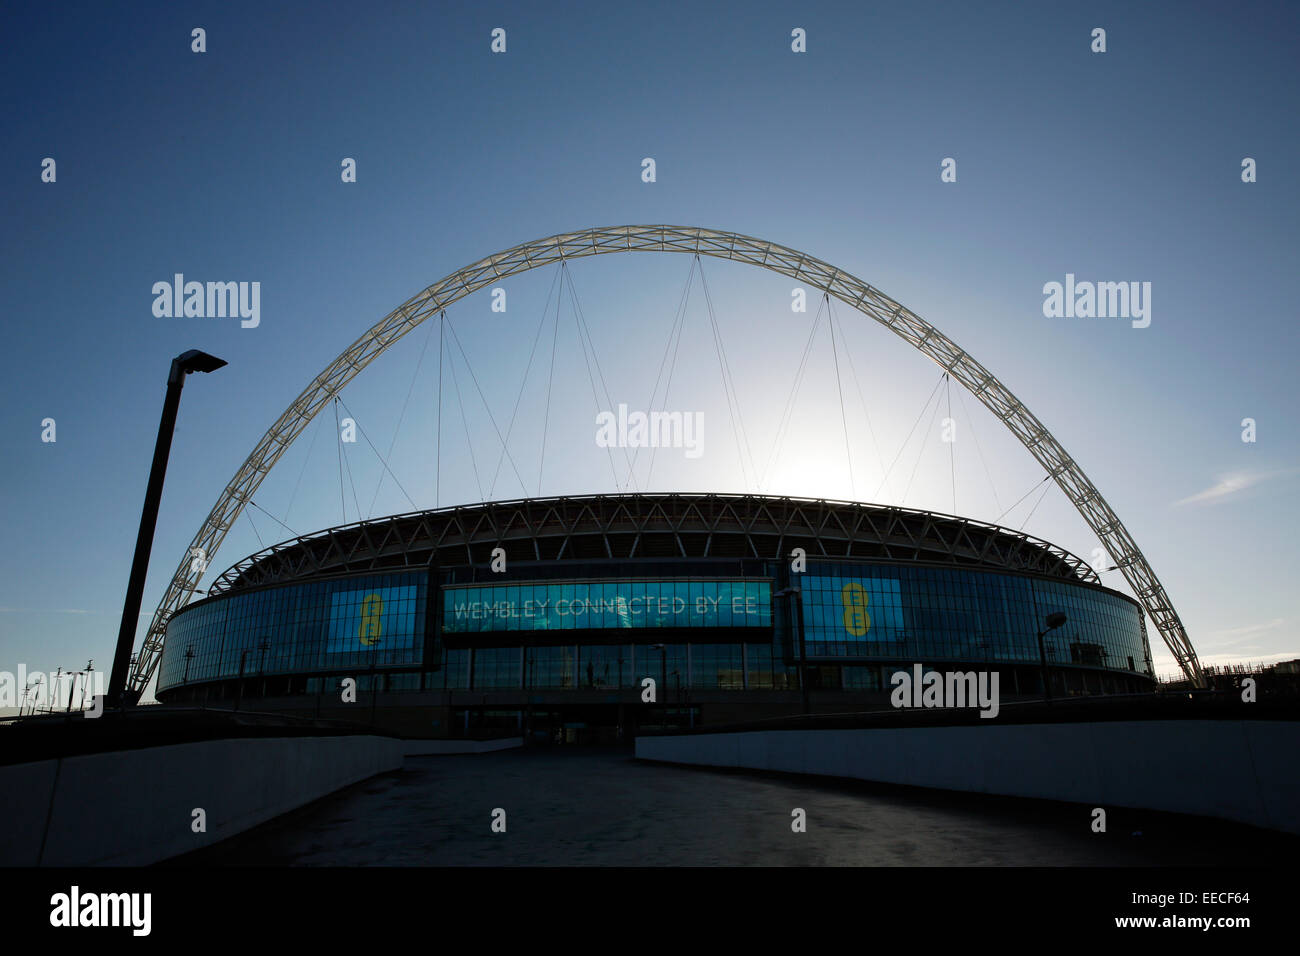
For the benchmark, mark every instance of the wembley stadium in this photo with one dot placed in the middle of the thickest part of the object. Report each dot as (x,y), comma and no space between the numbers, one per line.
(547,615)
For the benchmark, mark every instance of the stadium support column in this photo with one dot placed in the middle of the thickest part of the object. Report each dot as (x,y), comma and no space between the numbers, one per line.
(182,365)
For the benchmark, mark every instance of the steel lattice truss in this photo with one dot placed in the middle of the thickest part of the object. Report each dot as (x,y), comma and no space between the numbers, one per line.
(639,526)
(696,241)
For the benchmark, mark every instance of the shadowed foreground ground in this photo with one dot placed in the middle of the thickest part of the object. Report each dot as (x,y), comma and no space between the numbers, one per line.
(602,807)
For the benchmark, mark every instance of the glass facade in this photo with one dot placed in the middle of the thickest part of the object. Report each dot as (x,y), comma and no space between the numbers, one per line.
(913,613)
(349,624)
(860,621)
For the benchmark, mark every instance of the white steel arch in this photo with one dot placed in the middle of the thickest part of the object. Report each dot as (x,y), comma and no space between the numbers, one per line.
(849,289)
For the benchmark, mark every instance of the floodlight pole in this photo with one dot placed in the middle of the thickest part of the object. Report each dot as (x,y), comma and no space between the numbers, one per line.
(182,365)
(795,595)
(1053,622)
(663,677)
(374,693)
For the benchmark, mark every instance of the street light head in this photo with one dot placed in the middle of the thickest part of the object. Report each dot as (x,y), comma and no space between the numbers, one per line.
(196,361)
(1055,620)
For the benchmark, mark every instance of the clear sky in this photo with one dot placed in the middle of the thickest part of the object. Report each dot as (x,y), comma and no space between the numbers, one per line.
(225,166)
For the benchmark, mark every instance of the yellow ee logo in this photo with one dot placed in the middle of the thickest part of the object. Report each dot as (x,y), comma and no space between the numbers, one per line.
(854,597)
(372,613)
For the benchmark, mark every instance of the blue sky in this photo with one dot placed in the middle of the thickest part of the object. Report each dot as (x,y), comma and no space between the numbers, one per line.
(1122,166)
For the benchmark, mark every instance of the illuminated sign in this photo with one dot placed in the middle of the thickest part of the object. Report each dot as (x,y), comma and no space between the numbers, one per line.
(606,604)
(372,619)
(852,607)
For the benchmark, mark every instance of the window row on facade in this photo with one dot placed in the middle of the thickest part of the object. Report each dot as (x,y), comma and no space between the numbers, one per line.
(848,611)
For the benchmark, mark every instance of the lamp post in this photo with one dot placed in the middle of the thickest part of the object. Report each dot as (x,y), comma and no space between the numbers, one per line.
(32,690)
(663,676)
(1054,621)
(54,691)
(182,365)
(261,664)
(239,687)
(90,669)
(796,594)
(374,691)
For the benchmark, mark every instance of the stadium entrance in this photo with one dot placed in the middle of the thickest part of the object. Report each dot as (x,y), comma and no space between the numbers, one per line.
(606,724)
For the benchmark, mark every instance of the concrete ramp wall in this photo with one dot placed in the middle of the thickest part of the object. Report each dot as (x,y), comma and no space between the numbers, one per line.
(135,807)
(426,748)
(1241,770)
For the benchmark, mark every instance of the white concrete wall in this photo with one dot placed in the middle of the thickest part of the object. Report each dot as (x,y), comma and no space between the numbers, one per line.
(1242,770)
(134,807)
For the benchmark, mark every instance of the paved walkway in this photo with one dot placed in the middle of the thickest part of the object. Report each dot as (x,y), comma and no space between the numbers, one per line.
(602,807)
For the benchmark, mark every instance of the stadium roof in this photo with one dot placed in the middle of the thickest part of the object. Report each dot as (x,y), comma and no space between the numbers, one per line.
(632,526)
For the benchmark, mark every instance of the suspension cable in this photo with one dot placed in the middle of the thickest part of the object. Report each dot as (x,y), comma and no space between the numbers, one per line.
(402,414)
(890,470)
(839,386)
(674,344)
(979,450)
(338,441)
(788,411)
(952,445)
(848,354)
(460,401)
(738,422)
(673,333)
(1046,489)
(347,462)
(587,361)
(920,449)
(320,422)
(514,413)
(252,524)
(381,458)
(274,518)
(1022,498)
(483,398)
(550,380)
(437,449)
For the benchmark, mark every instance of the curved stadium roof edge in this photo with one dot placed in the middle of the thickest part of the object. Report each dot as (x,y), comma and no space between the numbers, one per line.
(639,525)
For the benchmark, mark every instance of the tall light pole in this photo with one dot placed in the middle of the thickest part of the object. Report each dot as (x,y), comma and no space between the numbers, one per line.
(1053,622)
(663,677)
(54,691)
(239,687)
(29,693)
(796,596)
(182,365)
(90,670)
(261,667)
(374,691)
